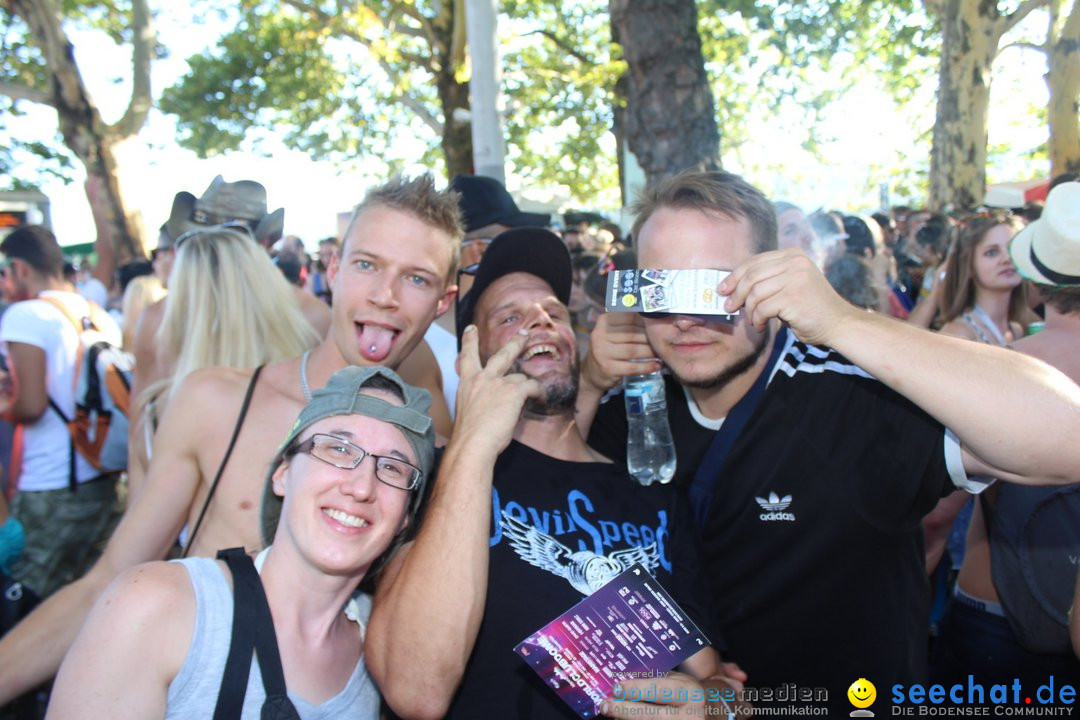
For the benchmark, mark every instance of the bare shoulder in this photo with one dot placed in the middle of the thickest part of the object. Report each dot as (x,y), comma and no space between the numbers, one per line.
(130,648)
(203,405)
(152,606)
(1060,349)
(148,322)
(206,406)
(150,592)
(226,383)
(214,381)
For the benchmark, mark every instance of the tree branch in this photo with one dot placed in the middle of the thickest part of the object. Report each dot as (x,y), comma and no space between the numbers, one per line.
(1023,45)
(425,24)
(414,59)
(1071,31)
(44,21)
(564,46)
(1020,13)
(408,31)
(16,91)
(142,40)
(421,112)
(934,7)
(459,40)
(328,19)
(339,29)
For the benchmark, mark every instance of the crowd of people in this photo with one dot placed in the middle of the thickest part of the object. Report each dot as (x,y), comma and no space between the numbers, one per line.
(904,384)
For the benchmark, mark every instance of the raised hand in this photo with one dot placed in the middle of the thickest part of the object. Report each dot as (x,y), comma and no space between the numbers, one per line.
(490,399)
(617,347)
(787,285)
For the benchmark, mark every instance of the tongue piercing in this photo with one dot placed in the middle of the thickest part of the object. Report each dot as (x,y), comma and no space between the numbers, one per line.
(372,349)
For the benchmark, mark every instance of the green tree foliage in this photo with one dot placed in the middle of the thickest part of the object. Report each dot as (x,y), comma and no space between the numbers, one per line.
(24,77)
(560,74)
(341,80)
(39,65)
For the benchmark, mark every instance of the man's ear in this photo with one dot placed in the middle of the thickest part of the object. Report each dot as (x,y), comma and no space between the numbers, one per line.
(447,300)
(333,268)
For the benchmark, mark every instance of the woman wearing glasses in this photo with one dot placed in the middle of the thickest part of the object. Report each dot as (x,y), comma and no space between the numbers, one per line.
(165,639)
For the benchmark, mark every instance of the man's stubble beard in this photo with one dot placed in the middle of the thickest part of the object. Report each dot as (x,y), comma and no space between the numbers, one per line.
(736,369)
(560,396)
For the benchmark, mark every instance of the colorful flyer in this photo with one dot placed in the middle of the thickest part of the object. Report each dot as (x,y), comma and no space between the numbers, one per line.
(629,628)
(678,292)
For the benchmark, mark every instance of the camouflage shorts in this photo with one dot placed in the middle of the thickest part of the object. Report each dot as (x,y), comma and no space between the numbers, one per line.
(65,532)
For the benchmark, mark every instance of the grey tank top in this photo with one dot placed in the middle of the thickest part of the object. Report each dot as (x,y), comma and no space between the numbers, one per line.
(193,692)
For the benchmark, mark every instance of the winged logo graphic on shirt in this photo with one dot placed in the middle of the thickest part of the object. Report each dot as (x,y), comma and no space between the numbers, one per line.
(585,570)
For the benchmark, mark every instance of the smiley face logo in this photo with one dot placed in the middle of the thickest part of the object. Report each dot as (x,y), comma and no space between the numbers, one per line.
(862,693)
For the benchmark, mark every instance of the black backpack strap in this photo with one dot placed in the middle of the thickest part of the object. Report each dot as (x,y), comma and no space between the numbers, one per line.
(234,680)
(93,382)
(72,484)
(224,460)
(253,628)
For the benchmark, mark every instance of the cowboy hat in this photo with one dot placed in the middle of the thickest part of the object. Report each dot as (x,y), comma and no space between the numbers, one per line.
(224,202)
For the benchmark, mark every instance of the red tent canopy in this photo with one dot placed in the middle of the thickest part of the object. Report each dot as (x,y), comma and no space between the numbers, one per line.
(1015,194)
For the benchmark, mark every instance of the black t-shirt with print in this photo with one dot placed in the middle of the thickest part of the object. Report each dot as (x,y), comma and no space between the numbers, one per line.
(813,539)
(589,521)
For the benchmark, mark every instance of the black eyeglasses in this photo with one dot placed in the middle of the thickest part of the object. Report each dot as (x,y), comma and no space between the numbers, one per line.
(235,226)
(347,456)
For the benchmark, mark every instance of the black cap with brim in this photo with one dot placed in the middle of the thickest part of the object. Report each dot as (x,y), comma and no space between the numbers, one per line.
(484,201)
(530,250)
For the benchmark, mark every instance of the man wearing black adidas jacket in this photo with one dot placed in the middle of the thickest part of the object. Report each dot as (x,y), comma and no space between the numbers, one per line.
(813,439)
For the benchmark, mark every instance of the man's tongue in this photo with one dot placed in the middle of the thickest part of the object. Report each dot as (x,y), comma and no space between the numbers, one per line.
(375,342)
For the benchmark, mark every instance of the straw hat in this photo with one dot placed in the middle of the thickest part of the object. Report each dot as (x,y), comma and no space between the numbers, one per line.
(1048,250)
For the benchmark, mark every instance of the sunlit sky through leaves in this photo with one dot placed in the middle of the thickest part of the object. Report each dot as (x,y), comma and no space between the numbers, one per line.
(865,140)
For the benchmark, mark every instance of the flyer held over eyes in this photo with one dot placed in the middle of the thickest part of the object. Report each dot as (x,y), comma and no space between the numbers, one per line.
(673,292)
(631,627)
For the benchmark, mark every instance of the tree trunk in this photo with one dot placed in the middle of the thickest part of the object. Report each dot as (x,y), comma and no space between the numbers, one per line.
(970,32)
(456,136)
(618,129)
(1063,110)
(670,116)
(448,57)
(120,236)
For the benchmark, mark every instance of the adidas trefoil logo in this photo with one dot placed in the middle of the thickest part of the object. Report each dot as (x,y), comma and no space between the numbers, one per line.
(774,507)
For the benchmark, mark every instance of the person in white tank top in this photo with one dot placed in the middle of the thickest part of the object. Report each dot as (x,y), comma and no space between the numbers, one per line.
(156,644)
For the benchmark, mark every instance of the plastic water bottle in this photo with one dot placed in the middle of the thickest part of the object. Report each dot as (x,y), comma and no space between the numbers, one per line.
(650,451)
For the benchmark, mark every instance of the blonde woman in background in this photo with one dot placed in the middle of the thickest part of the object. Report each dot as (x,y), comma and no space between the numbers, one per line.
(140,293)
(228,306)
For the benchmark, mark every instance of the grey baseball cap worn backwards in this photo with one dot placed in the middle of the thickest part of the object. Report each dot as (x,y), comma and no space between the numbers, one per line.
(344,395)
